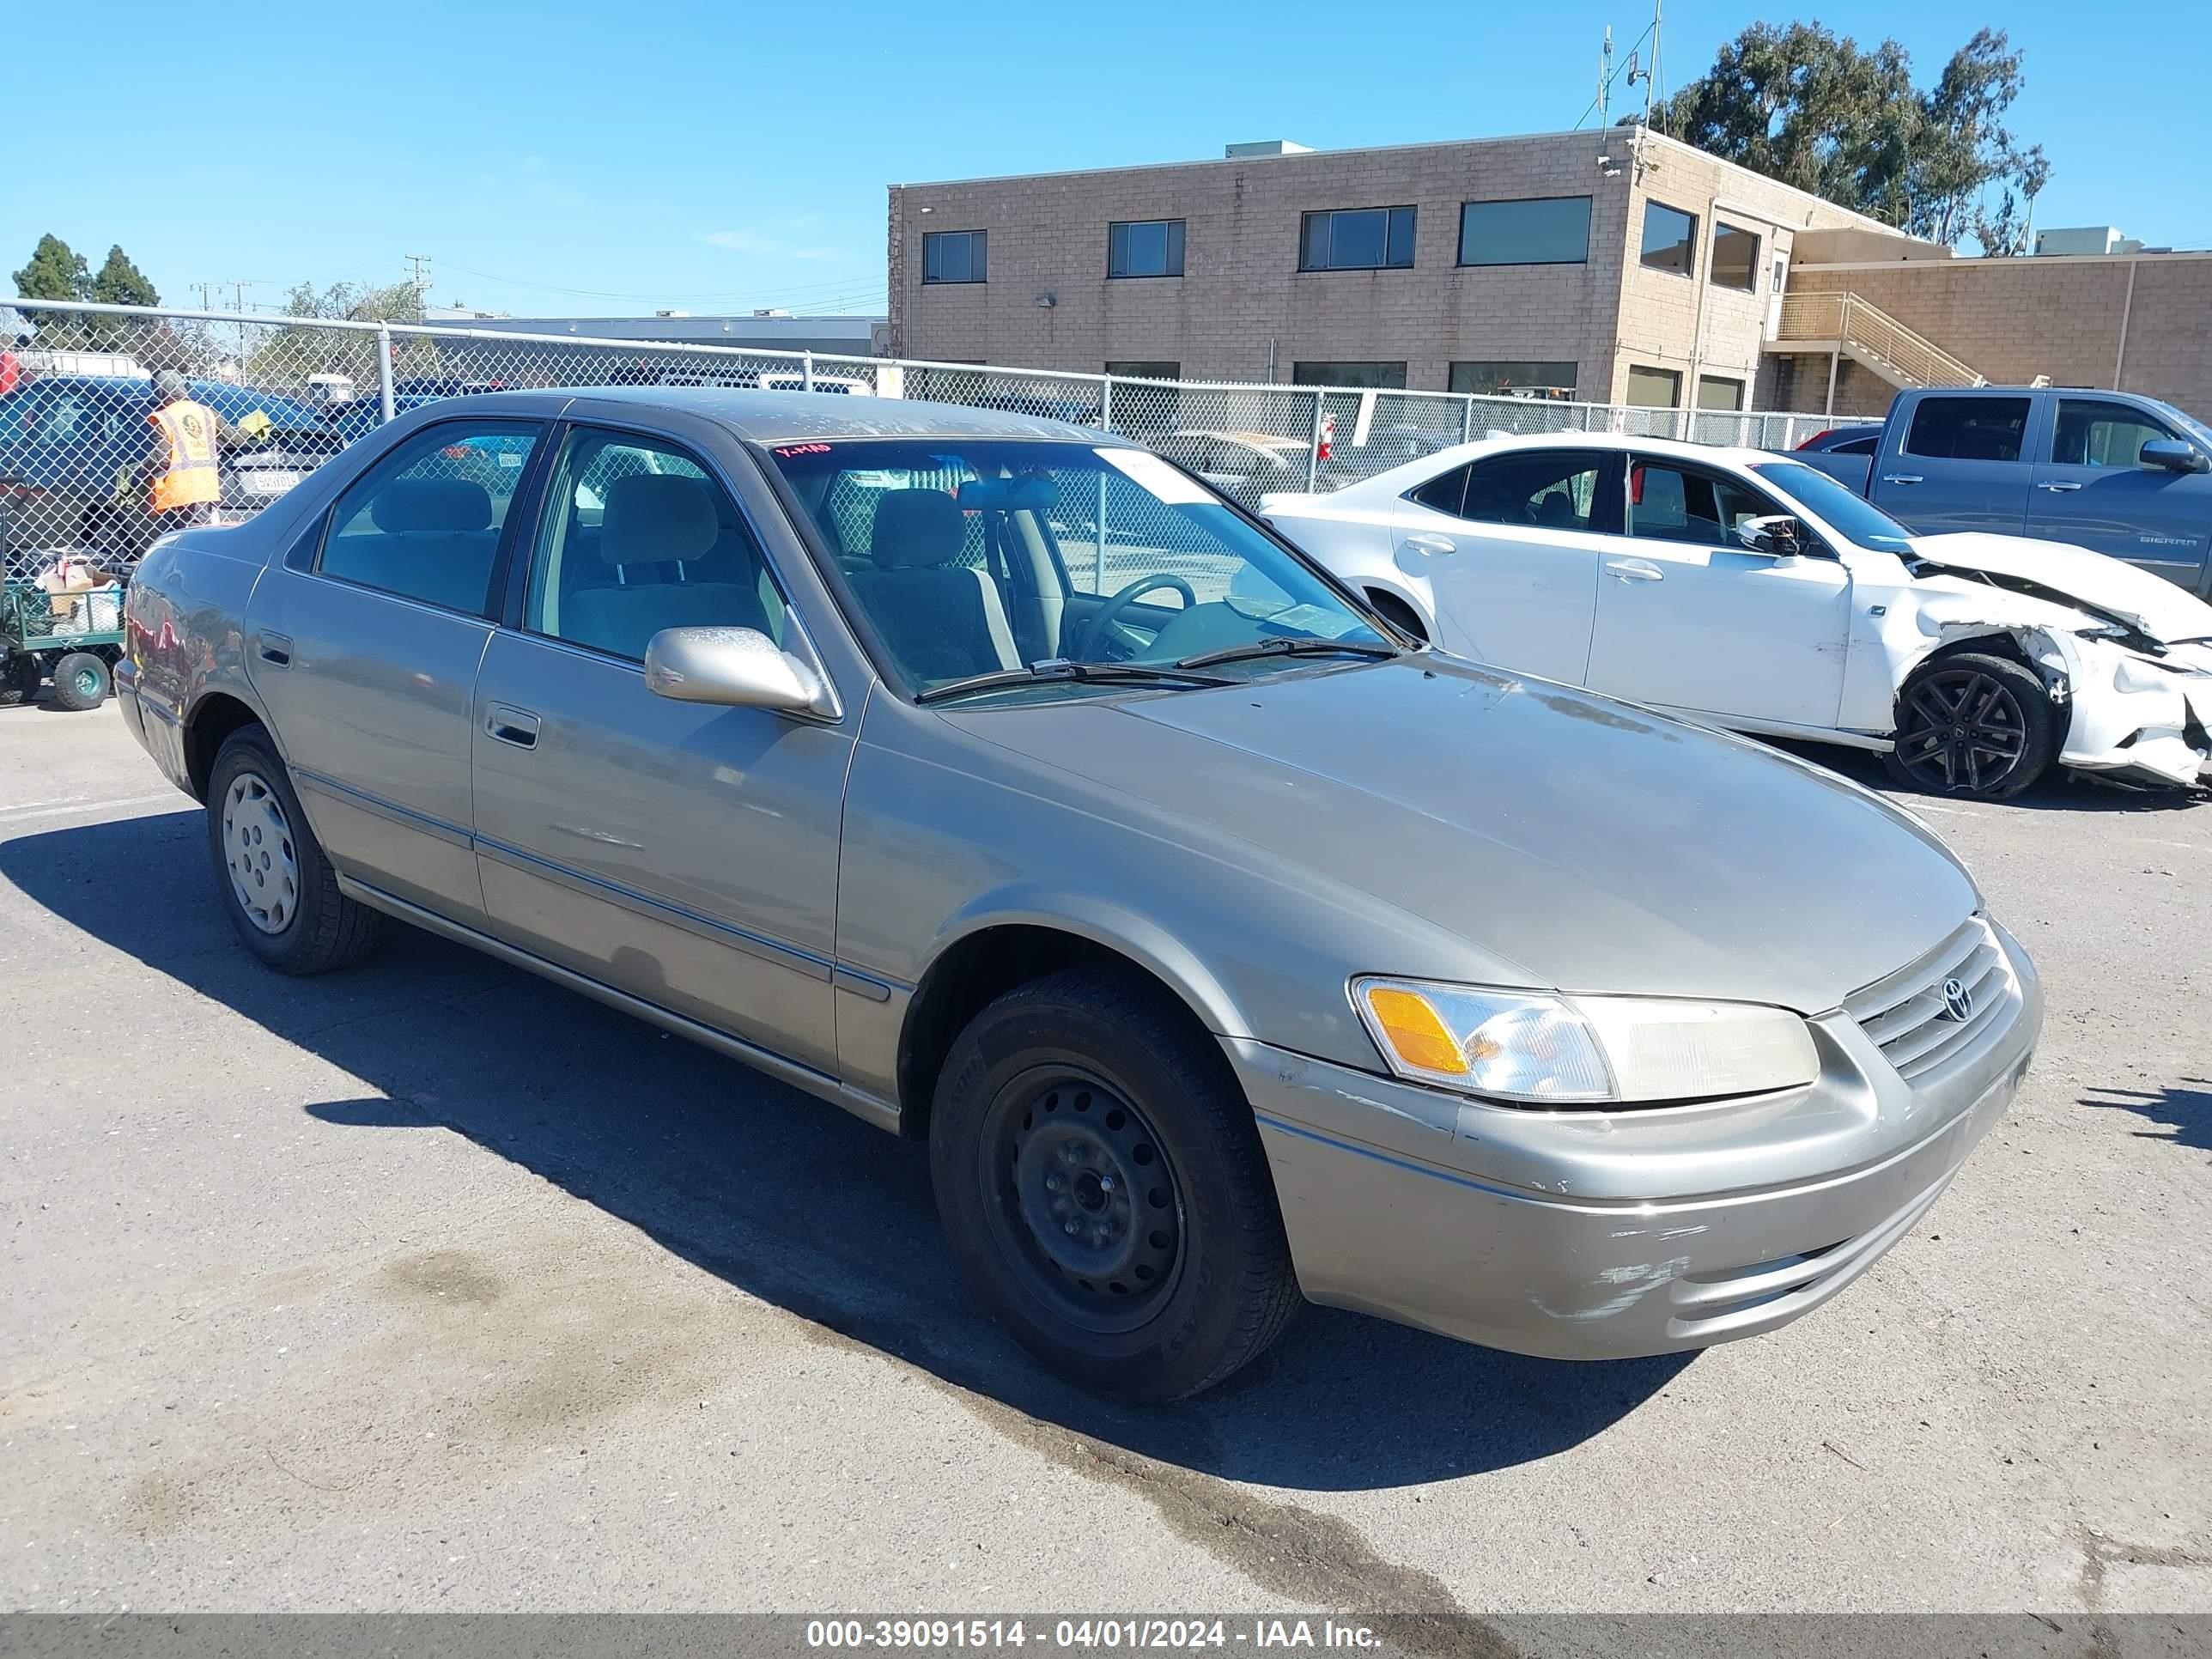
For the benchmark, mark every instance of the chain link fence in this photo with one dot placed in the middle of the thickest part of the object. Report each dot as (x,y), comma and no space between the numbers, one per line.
(76,393)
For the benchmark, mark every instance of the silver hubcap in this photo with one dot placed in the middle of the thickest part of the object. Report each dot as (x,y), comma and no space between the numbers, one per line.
(256,845)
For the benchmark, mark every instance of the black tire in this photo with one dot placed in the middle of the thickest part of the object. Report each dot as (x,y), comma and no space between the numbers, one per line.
(80,681)
(19,680)
(306,926)
(1973,726)
(1181,1273)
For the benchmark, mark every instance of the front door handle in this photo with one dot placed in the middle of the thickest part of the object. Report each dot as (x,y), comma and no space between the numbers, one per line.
(1431,544)
(510,725)
(1634,570)
(275,650)
(1901,478)
(2058,486)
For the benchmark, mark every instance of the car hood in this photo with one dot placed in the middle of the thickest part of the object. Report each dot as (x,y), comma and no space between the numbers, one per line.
(1579,843)
(2076,574)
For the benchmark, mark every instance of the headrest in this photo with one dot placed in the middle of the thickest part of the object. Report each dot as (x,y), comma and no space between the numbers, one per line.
(653,517)
(1556,512)
(916,527)
(431,504)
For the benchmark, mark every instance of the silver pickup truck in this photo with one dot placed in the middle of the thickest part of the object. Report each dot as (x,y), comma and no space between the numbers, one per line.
(2113,471)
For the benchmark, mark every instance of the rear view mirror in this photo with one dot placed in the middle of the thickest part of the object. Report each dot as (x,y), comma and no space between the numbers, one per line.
(736,667)
(2174,456)
(1774,533)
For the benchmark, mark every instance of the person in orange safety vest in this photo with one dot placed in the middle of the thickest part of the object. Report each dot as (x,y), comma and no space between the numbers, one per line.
(183,480)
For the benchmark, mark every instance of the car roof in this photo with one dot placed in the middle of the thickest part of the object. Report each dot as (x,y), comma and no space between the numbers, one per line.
(773,417)
(1398,479)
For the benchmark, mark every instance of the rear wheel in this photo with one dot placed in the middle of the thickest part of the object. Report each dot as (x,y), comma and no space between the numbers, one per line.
(280,892)
(80,681)
(1973,725)
(19,680)
(1102,1182)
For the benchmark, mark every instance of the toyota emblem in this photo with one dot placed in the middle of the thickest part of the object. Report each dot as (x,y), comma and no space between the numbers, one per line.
(1957,1001)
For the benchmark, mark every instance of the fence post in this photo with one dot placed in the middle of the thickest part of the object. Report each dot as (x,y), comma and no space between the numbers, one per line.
(1098,525)
(1313,455)
(806,370)
(384,370)
(1466,422)
(1106,402)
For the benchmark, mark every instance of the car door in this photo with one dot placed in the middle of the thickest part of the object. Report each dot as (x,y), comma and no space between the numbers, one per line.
(1689,618)
(1510,546)
(1962,463)
(2092,489)
(363,644)
(683,853)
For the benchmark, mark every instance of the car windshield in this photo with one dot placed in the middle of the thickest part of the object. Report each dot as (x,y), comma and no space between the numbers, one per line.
(2197,430)
(1840,507)
(970,557)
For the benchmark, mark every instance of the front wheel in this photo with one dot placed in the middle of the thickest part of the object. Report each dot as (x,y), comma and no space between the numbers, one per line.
(1974,726)
(1102,1182)
(80,681)
(277,888)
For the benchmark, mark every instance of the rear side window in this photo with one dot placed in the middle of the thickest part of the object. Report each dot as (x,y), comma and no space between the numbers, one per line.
(1969,428)
(1859,446)
(1547,489)
(1444,494)
(424,522)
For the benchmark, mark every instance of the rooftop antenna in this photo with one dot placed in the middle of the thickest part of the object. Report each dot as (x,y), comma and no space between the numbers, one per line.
(1605,161)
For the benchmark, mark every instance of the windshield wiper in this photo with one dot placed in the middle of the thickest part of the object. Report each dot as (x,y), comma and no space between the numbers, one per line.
(1060,668)
(1285,645)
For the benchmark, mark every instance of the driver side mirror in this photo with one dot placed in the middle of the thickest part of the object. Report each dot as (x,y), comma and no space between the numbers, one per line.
(735,667)
(2174,456)
(1775,533)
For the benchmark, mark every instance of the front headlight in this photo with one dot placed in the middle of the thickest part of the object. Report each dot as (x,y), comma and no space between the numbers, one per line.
(1560,1050)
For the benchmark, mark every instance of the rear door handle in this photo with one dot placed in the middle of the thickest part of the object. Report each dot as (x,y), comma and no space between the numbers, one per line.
(275,650)
(2058,486)
(510,725)
(1634,570)
(1901,478)
(1429,544)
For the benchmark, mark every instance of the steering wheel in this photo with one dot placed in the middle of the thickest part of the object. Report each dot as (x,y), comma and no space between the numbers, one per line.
(1111,612)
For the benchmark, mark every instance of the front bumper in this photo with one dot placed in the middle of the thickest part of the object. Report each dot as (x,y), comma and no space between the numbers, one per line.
(2161,734)
(1594,1236)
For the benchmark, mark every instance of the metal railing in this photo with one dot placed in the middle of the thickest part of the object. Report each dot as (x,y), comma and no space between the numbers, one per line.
(73,437)
(1870,334)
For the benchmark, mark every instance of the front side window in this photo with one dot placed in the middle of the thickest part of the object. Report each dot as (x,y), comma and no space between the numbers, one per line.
(954,256)
(1736,258)
(1144,247)
(636,537)
(967,557)
(2094,433)
(1539,489)
(1359,376)
(1968,429)
(1670,238)
(425,521)
(1671,503)
(1654,388)
(1551,230)
(1515,377)
(1357,238)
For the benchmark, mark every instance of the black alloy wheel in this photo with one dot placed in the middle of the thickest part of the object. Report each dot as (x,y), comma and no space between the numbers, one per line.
(1975,725)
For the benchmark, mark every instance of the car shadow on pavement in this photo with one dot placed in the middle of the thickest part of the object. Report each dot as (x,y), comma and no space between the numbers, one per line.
(787,1199)
(2186,1107)
(2057,791)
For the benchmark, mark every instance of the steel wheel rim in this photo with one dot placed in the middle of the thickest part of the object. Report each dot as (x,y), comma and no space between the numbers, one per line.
(259,854)
(1964,729)
(1082,1199)
(87,682)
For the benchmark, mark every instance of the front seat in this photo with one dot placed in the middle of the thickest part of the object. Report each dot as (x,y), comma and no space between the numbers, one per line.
(941,620)
(653,525)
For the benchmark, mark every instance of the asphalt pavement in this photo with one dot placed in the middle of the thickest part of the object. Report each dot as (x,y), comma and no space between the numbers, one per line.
(430,1286)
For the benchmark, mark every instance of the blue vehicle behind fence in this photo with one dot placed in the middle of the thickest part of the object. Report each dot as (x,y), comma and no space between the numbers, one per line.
(2113,471)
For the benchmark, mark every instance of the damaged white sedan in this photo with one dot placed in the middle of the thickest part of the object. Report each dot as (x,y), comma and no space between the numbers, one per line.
(1748,591)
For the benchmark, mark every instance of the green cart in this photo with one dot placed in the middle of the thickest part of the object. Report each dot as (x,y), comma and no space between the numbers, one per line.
(75,637)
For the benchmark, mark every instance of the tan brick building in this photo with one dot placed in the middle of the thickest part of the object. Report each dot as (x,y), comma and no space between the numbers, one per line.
(1609,264)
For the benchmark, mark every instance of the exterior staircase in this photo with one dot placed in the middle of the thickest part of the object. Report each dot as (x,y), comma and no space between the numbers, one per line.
(1846,325)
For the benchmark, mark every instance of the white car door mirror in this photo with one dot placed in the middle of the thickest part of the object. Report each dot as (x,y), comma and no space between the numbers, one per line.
(1777,534)
(737,667)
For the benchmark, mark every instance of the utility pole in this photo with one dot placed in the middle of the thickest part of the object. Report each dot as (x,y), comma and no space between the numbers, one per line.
(420,281)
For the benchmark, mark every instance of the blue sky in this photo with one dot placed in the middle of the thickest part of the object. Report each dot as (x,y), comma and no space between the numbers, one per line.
(565,159)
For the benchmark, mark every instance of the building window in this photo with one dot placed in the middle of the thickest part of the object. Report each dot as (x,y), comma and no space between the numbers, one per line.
(1735,262)
(1146,369)
(1389,377)
(954,256)
(1361,239)
(1670,238)
(1552,230)
(1654,388)
(1719,391)
(1144,247)
(1504,378)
